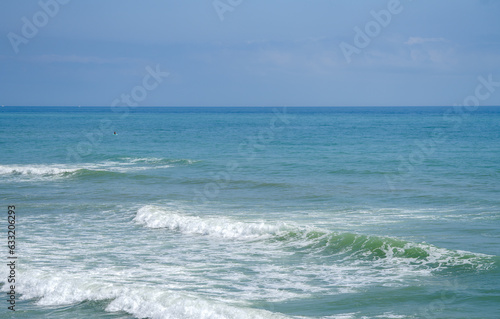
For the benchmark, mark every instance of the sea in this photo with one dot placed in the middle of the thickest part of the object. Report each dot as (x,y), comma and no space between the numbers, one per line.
(250,212)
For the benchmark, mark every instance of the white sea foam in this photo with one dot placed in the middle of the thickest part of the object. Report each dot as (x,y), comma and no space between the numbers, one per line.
(57,171)
(64,288)
(359,249)
(169,305)
(157,217)
(155,160)
(350,315)
(35,170)
(196,276)
(45,172)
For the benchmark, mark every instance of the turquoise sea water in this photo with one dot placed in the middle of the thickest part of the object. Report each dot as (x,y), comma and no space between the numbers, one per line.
(252,212)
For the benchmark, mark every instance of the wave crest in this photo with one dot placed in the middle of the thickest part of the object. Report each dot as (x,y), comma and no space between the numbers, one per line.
(376,250)
(29,172)
(34,170)
(64,288)
(156,217)
(353,247)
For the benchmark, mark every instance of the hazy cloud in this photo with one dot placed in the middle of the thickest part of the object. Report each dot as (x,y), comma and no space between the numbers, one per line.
(419,40)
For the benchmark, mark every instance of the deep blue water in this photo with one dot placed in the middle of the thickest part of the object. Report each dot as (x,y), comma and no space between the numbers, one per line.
(369,212)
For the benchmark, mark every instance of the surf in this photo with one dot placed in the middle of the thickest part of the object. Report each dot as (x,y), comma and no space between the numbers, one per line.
(157,217)
(50,289)
(312,241)
(54,171)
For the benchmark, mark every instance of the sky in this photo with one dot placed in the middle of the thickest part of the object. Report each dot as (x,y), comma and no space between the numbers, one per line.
(248,52)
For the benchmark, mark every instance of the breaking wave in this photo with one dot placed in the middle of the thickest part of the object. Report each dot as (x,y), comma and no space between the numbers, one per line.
(34,172)
(313,241)
(156,217)
(65,288)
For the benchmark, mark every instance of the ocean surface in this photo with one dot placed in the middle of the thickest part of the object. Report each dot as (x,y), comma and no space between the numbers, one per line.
(367,212)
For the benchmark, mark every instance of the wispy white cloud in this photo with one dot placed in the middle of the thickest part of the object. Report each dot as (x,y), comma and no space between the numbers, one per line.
(311,61)
(420,40)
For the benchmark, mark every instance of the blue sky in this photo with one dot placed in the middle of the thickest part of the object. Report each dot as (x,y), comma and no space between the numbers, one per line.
(248,52)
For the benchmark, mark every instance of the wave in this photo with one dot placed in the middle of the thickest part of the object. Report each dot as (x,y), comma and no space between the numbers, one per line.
(377,250)
(65,288)
(313,241)
(34,170)
(56,171)
(345,171)
(156,160)
(257,184)
(157,217)
(161,305)
(51,172)
(91,173)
